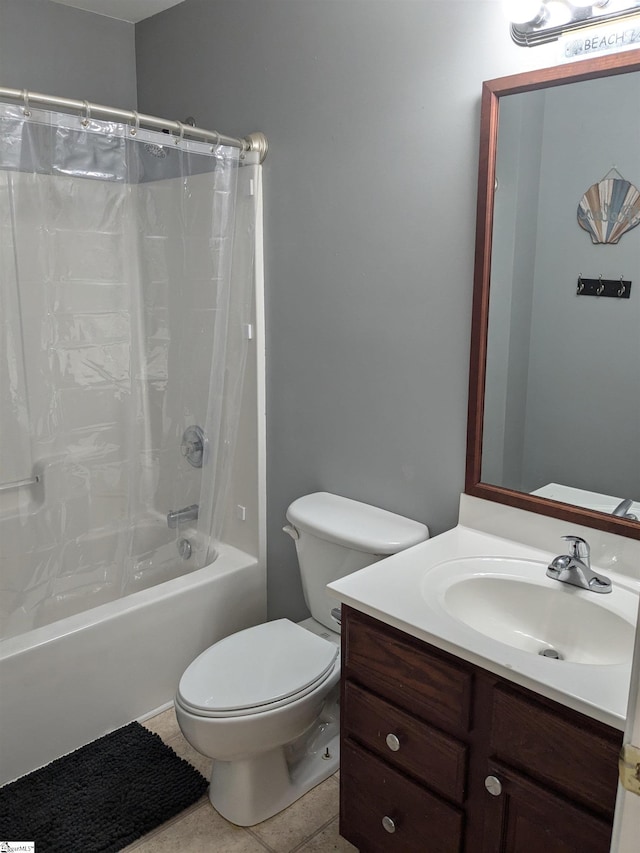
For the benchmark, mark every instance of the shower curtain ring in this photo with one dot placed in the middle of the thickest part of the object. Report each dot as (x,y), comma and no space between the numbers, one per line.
(181,137)
(87,114)
(25,97)
(134,130)
(217,142)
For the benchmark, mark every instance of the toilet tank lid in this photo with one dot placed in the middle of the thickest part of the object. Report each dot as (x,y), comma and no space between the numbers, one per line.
(354,524)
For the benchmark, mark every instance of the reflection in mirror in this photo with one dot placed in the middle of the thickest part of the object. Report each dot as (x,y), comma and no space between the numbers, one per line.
(625,508)
(562,396)
(556,416)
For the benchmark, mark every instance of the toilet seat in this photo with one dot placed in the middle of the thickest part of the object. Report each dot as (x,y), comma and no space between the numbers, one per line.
(256,670)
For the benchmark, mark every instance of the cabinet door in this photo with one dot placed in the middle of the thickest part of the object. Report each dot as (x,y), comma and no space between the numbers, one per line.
(526,818)
(557,748)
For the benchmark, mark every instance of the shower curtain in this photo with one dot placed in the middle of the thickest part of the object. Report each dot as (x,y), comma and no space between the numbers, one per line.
(126,265)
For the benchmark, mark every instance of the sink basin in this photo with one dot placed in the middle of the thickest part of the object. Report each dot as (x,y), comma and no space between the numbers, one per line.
(511,601)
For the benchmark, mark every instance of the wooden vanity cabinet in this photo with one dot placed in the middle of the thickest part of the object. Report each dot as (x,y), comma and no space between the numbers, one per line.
(425,735)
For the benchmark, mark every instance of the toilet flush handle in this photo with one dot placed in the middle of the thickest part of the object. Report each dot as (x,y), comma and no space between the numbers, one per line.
(291,530)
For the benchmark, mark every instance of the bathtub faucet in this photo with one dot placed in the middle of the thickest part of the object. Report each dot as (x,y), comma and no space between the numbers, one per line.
(178,516)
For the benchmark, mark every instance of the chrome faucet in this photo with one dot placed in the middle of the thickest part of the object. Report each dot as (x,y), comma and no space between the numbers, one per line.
(622,510)
(178,516)
(575,568)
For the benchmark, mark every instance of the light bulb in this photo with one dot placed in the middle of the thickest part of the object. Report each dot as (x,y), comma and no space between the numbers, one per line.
(558,13)
(619,5)
(522,11)
(609,7)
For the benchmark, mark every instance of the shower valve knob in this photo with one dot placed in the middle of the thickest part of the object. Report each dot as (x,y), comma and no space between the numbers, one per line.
(194,446)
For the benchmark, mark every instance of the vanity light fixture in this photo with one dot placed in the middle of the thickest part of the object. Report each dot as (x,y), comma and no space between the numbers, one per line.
(536,22)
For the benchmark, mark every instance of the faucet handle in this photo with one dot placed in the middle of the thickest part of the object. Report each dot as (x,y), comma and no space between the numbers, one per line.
(579,547)
(622,510)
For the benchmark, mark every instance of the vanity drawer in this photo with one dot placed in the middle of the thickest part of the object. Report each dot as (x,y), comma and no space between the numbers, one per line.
(403,670)
(420,820)
(575,755)
(426,753)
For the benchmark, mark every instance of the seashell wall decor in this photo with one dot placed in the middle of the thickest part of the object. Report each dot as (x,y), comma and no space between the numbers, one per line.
(609,209)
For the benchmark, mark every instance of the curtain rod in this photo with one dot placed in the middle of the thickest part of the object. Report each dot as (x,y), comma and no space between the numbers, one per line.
(252,142)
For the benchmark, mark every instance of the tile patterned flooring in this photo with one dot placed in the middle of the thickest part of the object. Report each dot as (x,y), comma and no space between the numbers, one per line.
(310,825)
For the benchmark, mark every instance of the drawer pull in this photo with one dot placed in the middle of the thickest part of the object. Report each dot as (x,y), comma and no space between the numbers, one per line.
(493,785)
(393,742)
(388,824)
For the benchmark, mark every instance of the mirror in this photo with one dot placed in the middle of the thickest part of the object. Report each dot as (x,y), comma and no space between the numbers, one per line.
(554,395)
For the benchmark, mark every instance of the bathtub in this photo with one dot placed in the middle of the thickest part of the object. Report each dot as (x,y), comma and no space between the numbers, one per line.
(67,683)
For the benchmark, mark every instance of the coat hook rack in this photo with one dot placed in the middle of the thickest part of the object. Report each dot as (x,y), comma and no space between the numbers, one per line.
(617,288)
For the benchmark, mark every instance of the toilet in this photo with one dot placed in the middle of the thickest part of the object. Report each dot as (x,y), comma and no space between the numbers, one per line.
(263,702)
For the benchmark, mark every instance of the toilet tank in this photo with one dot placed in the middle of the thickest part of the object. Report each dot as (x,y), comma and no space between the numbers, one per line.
(335,536)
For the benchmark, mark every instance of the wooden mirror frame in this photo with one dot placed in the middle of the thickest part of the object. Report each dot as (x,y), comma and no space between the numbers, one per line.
(492,91)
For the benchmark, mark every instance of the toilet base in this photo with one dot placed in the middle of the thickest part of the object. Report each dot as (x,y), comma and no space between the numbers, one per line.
(248,791)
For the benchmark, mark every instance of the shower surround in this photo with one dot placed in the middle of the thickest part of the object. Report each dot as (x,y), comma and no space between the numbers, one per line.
(131,309)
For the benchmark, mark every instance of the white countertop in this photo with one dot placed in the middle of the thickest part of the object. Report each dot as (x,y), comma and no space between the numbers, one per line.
(395,591)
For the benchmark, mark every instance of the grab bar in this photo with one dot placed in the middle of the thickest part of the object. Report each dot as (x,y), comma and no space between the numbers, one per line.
(30,481)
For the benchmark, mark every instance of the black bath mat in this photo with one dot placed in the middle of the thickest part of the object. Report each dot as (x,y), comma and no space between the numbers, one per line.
(101,797)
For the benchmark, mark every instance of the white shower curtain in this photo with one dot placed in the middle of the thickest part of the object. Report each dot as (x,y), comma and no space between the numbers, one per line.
(126,263)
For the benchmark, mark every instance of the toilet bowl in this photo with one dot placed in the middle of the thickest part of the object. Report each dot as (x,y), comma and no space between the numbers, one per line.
(273,727)
(263,703)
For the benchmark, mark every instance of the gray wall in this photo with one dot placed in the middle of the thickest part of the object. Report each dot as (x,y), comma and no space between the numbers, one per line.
(372,114)
(59,50)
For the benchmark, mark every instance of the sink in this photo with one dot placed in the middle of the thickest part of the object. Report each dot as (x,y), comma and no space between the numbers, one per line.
(511,601)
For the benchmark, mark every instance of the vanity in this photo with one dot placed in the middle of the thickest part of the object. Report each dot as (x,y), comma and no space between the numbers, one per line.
(459,732)
(484,701)
(441,755)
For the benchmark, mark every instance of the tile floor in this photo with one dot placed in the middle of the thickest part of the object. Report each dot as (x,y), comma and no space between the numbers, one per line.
(310,825)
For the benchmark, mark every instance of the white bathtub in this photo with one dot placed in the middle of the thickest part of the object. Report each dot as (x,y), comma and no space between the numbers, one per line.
(70,682)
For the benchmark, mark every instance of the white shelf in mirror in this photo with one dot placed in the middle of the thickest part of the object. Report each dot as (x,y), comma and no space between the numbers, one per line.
(584,498)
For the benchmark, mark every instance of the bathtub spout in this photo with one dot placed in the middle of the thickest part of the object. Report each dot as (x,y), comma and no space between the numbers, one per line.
(178,516)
